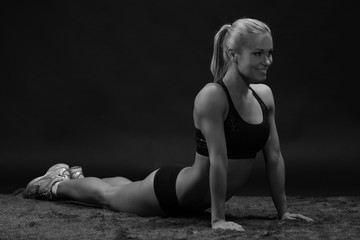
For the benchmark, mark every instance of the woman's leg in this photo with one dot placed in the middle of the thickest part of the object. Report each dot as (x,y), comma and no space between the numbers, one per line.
(134,197)
(87,190)
(116,181)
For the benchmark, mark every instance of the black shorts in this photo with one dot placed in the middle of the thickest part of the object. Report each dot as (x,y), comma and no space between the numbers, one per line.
(165,190)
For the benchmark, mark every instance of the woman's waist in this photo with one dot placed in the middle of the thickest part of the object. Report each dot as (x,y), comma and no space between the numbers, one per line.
(203,161)
(238,170)
(197,179)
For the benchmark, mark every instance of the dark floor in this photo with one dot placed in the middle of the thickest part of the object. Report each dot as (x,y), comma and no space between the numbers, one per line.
(334,218)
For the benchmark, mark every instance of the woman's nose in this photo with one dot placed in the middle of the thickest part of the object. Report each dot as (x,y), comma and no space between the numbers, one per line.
(267,60)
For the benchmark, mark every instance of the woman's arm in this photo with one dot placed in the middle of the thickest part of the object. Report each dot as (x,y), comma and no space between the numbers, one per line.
(209,111)
(275,166)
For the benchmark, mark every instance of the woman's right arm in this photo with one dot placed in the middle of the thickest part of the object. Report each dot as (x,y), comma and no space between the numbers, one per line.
(210,108)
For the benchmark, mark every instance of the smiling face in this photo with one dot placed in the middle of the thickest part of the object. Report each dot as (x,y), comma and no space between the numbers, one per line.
(255,57)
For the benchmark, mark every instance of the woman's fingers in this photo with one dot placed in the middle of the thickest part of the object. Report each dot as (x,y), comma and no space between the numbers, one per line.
(291,216)
(228,226)
(237,227)
(300,216)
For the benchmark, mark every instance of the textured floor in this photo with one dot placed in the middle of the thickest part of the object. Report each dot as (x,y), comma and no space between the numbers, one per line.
(335,218)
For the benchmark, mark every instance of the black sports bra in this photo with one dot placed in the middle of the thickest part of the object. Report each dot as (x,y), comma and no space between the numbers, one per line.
(243,139)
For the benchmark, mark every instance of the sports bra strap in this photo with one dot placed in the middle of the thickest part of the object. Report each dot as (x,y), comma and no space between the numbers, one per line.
(258,99)
(222,84)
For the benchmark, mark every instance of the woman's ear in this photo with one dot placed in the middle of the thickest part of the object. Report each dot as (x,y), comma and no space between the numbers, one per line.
(232,55)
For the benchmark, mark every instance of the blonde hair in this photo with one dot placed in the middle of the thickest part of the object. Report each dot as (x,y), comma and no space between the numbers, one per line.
(233,36)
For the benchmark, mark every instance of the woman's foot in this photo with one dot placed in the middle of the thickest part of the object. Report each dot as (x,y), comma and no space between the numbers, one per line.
(40,187)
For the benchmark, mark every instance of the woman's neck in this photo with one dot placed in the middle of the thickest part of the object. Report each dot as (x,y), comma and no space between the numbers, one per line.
(234,80)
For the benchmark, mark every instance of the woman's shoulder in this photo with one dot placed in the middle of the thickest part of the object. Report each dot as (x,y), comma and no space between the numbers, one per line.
(210,97)
(265,93)
(211,92)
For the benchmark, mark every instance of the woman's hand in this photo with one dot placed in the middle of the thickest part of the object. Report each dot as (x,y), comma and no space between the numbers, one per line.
(293,216)
(224,225)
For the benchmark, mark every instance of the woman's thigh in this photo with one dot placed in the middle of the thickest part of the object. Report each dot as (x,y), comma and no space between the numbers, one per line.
(116,181)
(135,197)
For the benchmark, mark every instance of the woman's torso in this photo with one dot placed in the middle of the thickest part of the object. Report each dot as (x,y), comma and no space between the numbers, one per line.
(193,182)
(246,127)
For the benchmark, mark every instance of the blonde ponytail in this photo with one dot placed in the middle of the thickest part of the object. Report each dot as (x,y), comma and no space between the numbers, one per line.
(219,59)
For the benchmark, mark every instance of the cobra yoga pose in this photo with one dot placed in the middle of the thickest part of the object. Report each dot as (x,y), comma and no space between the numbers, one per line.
(234,118)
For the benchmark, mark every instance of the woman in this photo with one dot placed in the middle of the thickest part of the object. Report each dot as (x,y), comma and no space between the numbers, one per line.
(234,118)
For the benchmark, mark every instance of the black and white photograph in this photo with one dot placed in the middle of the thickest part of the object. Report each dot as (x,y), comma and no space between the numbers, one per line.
(179,120)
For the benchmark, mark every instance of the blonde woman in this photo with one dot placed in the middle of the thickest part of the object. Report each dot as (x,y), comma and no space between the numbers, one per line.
(234,117)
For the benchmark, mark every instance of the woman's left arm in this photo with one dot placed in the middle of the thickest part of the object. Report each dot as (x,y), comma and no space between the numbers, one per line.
(275,166)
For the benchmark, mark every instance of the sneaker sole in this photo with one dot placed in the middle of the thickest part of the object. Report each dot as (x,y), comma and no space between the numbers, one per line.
(38,178)
(31,188)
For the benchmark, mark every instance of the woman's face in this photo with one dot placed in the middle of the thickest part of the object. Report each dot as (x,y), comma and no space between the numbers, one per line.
(255,58)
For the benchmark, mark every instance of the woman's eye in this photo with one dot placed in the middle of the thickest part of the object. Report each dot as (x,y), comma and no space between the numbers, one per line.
(257,53)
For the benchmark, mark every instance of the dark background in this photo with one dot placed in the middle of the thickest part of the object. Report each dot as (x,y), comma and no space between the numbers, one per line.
(110,85)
